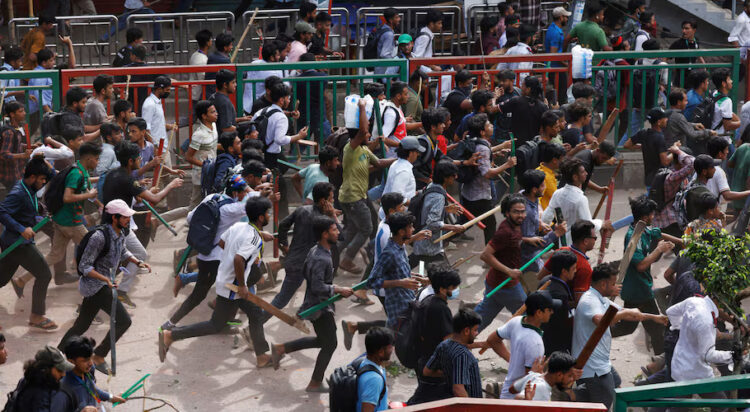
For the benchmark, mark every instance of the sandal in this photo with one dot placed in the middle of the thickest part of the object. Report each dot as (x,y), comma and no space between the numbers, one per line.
(162,347)
(47,324)
(275,358)
(17,289)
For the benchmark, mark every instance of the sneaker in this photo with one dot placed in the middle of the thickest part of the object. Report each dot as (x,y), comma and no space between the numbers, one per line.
(125,299)
(168,325)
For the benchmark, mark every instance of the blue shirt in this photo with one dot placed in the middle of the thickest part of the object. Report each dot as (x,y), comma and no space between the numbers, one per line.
(554,38)
(9,83)
(393,264)
(530,228)
(369,386)
(592,303)
(694,99)
(84,389)
(17,212)
(463,126)
(46,93)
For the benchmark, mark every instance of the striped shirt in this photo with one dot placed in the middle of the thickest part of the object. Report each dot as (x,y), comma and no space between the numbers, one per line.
(243,240)
(459,367)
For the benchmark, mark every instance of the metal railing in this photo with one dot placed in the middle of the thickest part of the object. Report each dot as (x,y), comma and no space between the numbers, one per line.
(87,33)
(178,32)
(36,91)
(678,394)
(413,19)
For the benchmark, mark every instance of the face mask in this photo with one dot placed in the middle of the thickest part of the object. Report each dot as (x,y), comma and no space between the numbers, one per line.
(454,294)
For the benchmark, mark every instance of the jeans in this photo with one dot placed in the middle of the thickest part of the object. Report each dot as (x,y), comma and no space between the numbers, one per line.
(634,126)
(357,229)
(477,207)
(598,388)
(131,270)
(28,257)
(101,300)
(224,312)
(325,339)
(654,330)
(292,281)
(122,23)
(186,278)
(512,298)
(206,277)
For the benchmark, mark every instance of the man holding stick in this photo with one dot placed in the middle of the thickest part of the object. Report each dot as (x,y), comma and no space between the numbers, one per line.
(599,377)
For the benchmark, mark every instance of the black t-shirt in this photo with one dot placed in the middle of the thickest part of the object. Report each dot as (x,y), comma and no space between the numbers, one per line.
(70,119)
(318,44)
(572,136)
(652,144)
(525,117)
(122,57)
(227,114)
(260,103)
(120,184)
(684,44)
(558,332)
(310,89)
(587,157)
(435,324)
(453,104)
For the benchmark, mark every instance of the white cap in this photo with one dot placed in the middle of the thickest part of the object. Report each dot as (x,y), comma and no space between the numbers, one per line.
(119,207)
(560,11)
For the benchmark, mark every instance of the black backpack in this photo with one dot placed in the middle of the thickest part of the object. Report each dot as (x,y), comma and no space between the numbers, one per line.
(416,205)
(527,157)
(649,76)
(370,51)
(342,395)
(684,215)
(261,125)
(81,247)
(463,151)
(14,397)
(51,124)
(204,223)
(53,196)
(209,174)
(408,333)
(338,140)
(704,111)
(656,190)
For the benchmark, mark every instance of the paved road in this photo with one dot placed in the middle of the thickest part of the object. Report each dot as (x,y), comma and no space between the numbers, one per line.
(211,374)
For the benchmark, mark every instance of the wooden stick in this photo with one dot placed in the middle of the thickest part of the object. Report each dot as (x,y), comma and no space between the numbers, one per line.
(307,143)
(596,336)
(465,212)
(286,318)
(522,309)
(127,88)
(470,223)
(611,180)
(635,239)
(31,8)
(244,34)
(28,136)
(607,213)
(463,260)
(600,204)
(608,125)
(2,100)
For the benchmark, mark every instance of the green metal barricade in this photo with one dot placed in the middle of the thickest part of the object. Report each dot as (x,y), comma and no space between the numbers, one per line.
(37,91)
(678,394)
(625,78)
(302,87)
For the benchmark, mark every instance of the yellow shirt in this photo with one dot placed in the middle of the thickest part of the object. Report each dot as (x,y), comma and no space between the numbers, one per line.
(32,42)
(550,183)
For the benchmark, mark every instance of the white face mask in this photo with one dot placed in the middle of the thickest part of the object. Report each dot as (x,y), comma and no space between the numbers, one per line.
(454,294)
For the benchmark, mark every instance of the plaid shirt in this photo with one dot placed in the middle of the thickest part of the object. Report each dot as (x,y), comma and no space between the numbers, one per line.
(529,11)
(672,185)
(392,264)
(11,170)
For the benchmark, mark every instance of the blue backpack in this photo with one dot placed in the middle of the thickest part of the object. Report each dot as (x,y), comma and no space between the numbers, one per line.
(204,224)
(214,173)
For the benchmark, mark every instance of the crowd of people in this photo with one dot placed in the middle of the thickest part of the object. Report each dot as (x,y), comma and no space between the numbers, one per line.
(376,203)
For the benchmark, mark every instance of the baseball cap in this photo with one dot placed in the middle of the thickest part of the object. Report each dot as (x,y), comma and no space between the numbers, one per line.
(119,207)
(560,11)
(404,38)
(162,81)
(656,114)
(52,356)
(411,143)
(541,300)
(303,27)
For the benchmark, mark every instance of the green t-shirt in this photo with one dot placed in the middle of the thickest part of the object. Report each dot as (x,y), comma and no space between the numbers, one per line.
(356,163)
(741,160)
(312,175)
(71,214)
(590,35)
(637,286)
(413,106)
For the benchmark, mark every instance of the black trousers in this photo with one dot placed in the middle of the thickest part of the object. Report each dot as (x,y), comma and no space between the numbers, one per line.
(207,270)
(223,313)
(477,207)
(654,330)
(325,339)
(28,257)
(101,300)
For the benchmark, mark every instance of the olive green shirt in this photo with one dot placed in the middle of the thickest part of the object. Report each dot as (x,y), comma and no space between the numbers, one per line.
(71,214)
(356,164)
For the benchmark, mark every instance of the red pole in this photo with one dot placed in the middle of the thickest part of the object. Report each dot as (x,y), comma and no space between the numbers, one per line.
(28,136)
(465,212)
(328,32)
(155,179)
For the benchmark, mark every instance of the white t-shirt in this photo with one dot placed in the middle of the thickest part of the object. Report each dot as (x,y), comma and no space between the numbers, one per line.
(718,183)
(722,110)
(198,58)
(526,346)
(401,180)
(240,239)
(543,391)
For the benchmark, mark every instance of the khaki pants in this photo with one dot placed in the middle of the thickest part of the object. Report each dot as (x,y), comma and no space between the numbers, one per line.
(529,281)
(64,234)
(195,196)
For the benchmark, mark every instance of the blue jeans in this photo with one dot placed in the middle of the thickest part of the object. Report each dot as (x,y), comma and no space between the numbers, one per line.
(292,282)
(512,298)
(186,278)
(122,23)
(633,127)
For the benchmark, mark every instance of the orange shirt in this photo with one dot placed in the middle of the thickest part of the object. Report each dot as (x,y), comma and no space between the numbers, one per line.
(32,43)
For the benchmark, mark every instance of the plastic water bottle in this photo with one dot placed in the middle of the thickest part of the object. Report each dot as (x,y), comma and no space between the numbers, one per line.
(351,110)
(582,60)
(577,16)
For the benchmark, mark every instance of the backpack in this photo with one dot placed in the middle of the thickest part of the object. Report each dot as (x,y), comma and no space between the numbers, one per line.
(204,223)
(416,205)
(370,51)
(656,190)
(51,124)
(649,100)
(704,111)
(261,125)
(417,33)
(527,156)
(53,196)
(463,151)
(14,397)
(343,396)
(338,139)
(681,206)
(209,177)
(81,247)
(608,79)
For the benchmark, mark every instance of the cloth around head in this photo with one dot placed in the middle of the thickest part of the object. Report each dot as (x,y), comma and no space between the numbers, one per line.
(119,207)
(404,38)
(411,143)
(560,11)
(304,27)
(54,357)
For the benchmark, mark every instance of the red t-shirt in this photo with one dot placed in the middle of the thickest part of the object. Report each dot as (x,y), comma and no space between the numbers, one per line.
(442,144)
(507,244)
(582,280)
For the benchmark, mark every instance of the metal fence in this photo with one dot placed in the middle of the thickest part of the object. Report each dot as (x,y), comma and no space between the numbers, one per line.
(679,394)
(8,77)
(178,32)
(87,33)
(413,19)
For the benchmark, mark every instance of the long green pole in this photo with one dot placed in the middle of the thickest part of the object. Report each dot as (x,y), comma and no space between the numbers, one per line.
(21,238)
(334,298)
(526,265)
(184,257)
(158,216)
(289,165)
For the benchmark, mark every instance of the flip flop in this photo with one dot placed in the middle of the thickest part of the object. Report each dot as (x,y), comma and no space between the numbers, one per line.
(103,368)
(275,358)
(17,289)
(347,335)
(46,325)
(162,347)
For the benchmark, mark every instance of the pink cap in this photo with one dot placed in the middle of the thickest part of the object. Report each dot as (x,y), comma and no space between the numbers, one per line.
(119,207)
